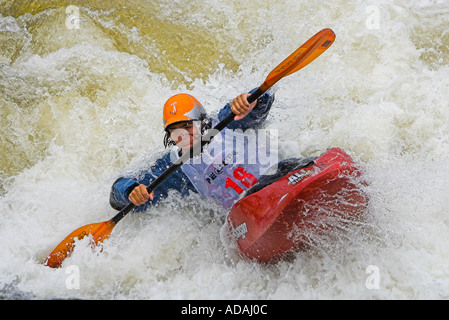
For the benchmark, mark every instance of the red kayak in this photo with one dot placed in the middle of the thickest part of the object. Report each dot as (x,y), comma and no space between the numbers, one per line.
(279,217)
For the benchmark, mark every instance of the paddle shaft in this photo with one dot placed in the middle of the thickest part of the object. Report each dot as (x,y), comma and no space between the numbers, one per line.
(186,156)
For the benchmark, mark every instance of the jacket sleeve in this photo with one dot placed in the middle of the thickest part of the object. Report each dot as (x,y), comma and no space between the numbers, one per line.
(123,186)
(255,118)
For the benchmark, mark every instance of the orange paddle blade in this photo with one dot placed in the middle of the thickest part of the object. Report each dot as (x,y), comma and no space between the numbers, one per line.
(305,54)
(99,231)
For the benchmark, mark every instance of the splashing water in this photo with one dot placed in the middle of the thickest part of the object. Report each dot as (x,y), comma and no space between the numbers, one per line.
(82,84)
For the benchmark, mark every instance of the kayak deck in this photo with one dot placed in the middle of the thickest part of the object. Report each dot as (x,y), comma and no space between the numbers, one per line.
(280,217)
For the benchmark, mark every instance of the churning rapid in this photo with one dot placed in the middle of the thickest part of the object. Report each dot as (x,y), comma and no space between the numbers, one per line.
(82,85)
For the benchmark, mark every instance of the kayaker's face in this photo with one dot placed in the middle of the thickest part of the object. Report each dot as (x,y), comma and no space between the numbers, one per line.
(184,134)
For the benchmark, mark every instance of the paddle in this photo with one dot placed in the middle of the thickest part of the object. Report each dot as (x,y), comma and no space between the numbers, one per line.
(305,54)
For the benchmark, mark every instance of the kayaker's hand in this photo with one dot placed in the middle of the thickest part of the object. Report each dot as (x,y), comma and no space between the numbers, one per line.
(140,195)
(241,107)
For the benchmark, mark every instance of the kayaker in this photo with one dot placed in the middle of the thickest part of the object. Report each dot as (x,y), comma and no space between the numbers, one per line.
(223,171)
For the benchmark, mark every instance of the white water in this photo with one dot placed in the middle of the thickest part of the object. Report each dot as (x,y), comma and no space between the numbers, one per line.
(79,106)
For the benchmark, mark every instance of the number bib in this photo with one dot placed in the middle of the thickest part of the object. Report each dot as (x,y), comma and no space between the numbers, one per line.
(226,170)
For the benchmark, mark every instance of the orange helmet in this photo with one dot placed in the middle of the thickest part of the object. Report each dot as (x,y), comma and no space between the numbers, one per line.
(182,107)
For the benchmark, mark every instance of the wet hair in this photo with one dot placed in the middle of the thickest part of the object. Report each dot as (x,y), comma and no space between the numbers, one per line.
(206,124)
(168,141)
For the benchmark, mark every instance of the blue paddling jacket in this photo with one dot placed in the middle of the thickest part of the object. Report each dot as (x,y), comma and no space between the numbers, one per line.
(200,175)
